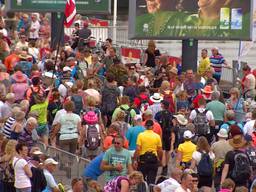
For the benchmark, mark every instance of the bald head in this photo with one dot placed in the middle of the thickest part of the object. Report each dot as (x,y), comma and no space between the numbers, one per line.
(176,174)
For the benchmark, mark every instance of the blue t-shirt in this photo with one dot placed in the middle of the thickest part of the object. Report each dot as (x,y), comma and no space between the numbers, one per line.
(92,170)
(226,125)
(132,134)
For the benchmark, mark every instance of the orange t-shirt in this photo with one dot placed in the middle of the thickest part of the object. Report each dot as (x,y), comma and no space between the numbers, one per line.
(156,128)
(107,143)
(10,61)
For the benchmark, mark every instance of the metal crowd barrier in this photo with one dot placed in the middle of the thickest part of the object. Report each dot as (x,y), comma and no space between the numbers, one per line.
(70,165)
(102,33)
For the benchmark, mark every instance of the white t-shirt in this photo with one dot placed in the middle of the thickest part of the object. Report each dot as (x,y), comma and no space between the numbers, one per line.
(180,189)
(169,185)
(197,156)
(58,116)
(21,179)
(209,114)
(248,127)
(251,79)
(21,45)
(34,52)
(34,25)
(51,183)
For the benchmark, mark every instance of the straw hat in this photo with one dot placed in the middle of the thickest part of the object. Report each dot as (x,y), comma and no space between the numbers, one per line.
(181,119)
(222,133)
(174,70)
(237,141)
(207,89)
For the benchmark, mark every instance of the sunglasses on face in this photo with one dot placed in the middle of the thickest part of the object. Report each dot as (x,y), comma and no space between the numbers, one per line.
(195,180)
(117,143)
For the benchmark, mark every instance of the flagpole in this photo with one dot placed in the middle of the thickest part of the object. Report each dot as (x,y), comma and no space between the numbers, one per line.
(58,45)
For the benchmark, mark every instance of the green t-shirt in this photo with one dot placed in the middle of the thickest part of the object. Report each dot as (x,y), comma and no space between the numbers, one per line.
(41,108)
(126,107)
(217,108)
(113,157)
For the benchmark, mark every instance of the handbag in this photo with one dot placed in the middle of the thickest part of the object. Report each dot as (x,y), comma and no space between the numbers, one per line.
(41,129)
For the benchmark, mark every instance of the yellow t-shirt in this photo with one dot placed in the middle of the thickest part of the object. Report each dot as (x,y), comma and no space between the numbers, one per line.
(149,141)
(204,64)
(186,149)
(41,108)
(88,60)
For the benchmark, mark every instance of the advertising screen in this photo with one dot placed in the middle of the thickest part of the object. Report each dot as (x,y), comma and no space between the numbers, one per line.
(82,6)
(199,19)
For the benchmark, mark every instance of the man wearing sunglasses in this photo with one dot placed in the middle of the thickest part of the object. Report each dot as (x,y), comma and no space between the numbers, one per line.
(117,160)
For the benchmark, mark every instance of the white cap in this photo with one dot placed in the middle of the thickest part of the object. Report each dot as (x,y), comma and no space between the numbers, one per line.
(188,134)
(37,152)
(65,69)
(223,133)
(138,118)
(50,161)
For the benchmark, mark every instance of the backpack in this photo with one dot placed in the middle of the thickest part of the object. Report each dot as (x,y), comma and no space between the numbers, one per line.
(201,123)
(241,170)
(32,98)
(78,101)
(251,153)
(115,184)
(165,121)
(7,172)
(92,136)
(128,117)
(205,165)
(109,99)
(180,133)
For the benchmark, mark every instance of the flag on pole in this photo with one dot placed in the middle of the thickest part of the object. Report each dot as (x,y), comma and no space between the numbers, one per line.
(130,55)
(70,12)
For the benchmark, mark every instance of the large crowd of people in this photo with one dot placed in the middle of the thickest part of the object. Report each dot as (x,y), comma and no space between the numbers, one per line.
(145,127)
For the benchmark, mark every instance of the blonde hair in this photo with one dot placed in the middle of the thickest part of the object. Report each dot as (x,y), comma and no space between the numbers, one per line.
(228,184)
(10,147)
(120,116)
(235,90)
(90,101)
(19,116)
(182,95)
(165,85)
(136,175)
(151,46)
(24,104)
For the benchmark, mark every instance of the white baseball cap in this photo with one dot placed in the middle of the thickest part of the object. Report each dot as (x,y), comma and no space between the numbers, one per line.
(65,69)
(50,161)
(188,134)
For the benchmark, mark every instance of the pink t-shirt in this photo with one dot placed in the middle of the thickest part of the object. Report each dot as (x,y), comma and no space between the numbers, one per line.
(19,90)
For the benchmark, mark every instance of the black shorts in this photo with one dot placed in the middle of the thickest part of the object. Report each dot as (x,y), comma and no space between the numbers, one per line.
(205,181)
(166,142)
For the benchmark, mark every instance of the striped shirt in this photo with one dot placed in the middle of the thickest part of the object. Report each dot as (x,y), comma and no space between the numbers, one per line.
(7,129)
(217,62)
(26,137)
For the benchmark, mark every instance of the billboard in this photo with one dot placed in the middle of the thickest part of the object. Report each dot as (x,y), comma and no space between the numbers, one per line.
(198,19)
(82,6)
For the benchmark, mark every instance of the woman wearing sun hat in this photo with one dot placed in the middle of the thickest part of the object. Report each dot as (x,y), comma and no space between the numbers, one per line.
(20,86)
